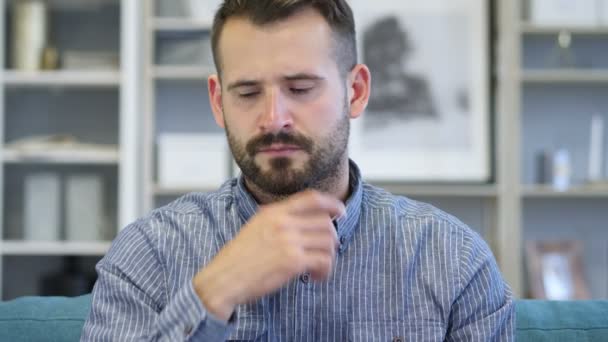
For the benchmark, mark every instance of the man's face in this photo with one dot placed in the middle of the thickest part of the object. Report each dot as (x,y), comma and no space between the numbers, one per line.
(284,103)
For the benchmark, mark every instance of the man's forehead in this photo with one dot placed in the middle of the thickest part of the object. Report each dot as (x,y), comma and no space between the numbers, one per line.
(297,43)
(306,18)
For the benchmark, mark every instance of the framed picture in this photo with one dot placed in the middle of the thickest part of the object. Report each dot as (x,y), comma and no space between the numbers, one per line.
(555,270)
(428,115)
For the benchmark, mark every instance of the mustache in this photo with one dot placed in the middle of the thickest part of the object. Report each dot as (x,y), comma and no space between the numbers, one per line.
(266,140)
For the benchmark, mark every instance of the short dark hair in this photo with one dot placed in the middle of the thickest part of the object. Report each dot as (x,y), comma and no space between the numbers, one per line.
(337,13)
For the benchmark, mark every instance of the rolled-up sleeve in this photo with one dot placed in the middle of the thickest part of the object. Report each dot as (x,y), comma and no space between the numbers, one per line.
(130,301)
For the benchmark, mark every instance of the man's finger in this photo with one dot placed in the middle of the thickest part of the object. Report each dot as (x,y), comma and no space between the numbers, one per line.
(310,202)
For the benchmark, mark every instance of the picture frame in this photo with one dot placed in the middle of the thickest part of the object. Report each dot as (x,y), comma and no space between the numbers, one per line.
(556,271)
(428,118)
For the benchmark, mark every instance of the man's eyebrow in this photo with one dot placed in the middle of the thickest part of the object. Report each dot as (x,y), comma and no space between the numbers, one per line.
(303,76)
(243,83)
(294,77)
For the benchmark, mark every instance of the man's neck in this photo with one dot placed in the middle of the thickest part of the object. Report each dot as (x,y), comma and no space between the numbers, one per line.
(337,186)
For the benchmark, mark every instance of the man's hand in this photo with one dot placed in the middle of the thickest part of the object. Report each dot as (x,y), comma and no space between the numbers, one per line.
(281,241)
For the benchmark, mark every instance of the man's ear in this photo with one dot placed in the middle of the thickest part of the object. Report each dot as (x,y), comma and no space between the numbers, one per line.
(359,87)
(215,98)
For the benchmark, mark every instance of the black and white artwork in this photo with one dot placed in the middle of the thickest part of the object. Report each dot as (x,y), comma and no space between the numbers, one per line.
(399,93)
(427,118)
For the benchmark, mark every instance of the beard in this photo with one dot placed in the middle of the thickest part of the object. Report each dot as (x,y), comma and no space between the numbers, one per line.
(282,179)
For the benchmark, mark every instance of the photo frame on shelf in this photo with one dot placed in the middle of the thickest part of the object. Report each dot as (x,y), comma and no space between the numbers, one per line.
(428,115)
(555,270)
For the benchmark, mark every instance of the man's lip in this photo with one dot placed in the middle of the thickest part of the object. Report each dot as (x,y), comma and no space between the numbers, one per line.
(280,148)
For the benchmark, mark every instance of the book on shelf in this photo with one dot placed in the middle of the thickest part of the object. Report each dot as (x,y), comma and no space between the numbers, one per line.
(30,30)
(42,206)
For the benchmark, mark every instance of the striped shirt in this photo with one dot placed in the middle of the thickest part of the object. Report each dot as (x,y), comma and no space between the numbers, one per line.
(405,271)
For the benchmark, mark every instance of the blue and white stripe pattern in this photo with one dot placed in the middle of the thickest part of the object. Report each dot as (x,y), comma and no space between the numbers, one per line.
(405,271)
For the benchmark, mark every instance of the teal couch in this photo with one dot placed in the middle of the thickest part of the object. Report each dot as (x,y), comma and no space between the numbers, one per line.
(51,319)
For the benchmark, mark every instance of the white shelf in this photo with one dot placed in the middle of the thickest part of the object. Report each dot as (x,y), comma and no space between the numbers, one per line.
(181,24)
(93,157)
(183,72)
(529,28)
(78,5)
(445,190)
(544,191)
(79,248)
(62,78)
(178,191)
(565,76)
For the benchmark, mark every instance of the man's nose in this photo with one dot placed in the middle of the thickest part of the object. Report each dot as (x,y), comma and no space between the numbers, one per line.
(276,116)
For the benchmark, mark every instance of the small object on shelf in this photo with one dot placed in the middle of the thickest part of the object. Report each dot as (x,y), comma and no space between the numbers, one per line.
(564,12)
(596,146)
(30,26)
(42,207)
(184,49)
(561,54)
(561,170)
(192,160)
(555,270)
(88,60)
(84,207)
(50,58)
(544,168)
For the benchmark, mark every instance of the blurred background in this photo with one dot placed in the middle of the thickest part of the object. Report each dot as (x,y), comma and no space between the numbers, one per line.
(494,111)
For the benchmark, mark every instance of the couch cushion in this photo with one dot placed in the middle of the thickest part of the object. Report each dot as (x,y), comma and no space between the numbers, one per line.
(562,321)
(43,318)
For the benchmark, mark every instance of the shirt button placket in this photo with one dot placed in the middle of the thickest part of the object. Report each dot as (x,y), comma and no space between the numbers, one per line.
(187,330)
(342,245)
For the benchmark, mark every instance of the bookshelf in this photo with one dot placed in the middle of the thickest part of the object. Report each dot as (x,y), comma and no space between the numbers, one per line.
(96,106)
(194,73)
(565,76)
(176,92)
(528,28)
(14,79)
(552,103)
(180,24)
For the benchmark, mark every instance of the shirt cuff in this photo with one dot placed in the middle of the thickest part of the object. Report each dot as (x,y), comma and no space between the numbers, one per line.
(194,319)
(210,328)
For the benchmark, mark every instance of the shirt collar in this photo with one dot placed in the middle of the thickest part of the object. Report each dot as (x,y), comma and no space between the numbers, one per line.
(247,206)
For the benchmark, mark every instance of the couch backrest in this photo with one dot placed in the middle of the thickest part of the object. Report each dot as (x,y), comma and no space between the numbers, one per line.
(566,321)
(49,319)
(52,319)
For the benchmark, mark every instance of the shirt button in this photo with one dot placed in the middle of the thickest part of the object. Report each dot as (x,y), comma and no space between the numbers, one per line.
(342,240)
(188,330)
(305,278)
(397,339)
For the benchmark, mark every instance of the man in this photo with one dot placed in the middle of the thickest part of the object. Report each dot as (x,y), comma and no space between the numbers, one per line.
(298,248)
